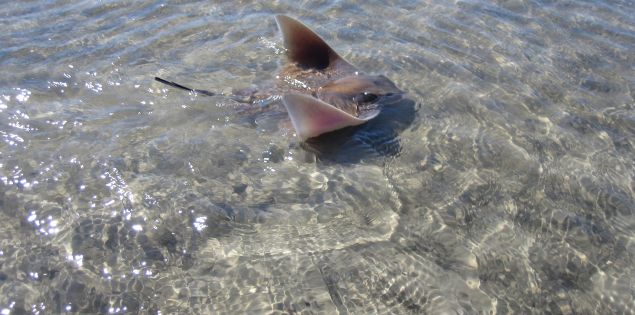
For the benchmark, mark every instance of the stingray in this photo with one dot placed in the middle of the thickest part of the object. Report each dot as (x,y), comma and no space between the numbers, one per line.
(332,97)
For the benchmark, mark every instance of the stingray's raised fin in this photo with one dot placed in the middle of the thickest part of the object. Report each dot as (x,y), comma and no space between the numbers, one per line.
(312,117)
(305,47)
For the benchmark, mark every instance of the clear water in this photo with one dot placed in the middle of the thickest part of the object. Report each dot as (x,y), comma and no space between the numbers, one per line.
(513,191)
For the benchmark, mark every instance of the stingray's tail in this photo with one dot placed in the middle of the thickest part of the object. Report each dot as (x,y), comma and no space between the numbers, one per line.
(182,87)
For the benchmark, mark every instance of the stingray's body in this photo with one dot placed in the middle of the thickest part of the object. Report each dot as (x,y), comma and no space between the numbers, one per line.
(336,95)
(322,92)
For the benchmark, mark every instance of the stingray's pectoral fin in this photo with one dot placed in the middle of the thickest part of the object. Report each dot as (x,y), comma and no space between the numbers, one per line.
(305,47)
(312,117)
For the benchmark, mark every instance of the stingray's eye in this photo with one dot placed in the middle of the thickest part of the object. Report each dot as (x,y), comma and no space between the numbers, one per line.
(365,98)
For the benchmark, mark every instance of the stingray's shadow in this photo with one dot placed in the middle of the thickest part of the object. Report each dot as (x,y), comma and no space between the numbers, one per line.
(375,139)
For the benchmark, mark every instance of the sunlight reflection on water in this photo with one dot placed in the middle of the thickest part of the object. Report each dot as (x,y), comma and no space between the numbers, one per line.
(511,190)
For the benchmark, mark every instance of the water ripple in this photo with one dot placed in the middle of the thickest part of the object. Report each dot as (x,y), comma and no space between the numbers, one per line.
(512,191)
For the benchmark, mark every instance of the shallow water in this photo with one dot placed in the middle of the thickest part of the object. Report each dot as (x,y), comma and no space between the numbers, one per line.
(512,190)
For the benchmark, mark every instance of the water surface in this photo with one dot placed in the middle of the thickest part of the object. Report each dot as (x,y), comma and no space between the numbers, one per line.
(512,190)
